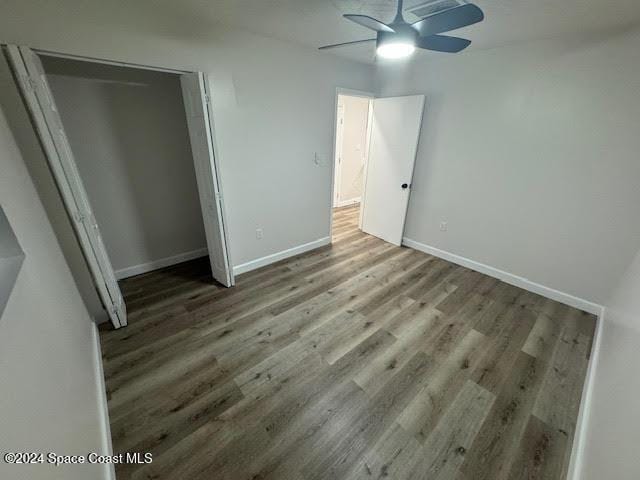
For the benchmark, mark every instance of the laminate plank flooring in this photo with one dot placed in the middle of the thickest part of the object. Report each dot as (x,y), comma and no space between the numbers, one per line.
(359,360)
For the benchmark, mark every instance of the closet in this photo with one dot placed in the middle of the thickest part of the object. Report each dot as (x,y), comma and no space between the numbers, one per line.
(132,151)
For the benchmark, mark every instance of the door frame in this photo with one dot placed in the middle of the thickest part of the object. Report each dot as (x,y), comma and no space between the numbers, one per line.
(349,93)
(337,165)
(117,63)
(208,108)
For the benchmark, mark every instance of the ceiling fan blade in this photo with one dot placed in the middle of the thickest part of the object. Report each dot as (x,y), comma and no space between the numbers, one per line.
(442,43)
(370,23)
(346,43)
(451,19)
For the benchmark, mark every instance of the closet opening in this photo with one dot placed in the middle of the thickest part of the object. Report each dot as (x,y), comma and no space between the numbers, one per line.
(132,152)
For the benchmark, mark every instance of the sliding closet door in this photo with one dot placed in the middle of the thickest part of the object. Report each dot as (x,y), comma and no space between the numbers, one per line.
(199,121)
(38,97)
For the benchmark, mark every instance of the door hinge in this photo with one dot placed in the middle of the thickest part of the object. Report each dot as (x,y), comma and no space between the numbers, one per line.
(79,217)
(115,309)
(93,222)
(207,98)
(29,82)
(115,306)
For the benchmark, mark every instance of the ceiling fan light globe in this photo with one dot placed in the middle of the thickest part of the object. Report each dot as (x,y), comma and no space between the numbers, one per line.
(394,50)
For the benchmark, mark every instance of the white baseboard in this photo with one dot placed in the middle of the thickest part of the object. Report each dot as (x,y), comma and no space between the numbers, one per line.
(345,203)
(580,435)
(507,277)
(103,410)
(274,257)
(160,263)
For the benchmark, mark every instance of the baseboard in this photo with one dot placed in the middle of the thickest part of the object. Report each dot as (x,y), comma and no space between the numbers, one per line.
(346,203)
(275,257)
(160,263)
(103,410)
(507,277)
(580,435)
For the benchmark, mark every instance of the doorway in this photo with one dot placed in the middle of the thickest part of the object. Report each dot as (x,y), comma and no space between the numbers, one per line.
(350,159)
(376,142)
(132,152)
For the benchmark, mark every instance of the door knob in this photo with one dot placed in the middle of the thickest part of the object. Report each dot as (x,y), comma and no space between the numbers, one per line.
(405,185)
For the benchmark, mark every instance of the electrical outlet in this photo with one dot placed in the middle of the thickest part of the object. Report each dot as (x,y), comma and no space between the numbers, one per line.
(443,226)
(259,233)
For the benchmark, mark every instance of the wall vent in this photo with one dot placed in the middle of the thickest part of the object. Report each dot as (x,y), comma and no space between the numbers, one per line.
(424,9)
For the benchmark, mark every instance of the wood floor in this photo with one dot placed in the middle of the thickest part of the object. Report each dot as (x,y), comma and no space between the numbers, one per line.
(361,360)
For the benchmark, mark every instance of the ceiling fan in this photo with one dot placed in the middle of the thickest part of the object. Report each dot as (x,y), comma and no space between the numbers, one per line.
(400,38)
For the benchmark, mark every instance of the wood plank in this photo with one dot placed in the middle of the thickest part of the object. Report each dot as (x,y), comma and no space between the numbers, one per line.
(545,334)
(541,452)
(426,410)
(374,417)
(496,445)
(558,402)
(497,364)
(391,457)
(445,448)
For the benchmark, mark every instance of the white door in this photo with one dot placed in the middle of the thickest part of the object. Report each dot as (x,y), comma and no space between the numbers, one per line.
(200,120)
(39,99)
(393,143)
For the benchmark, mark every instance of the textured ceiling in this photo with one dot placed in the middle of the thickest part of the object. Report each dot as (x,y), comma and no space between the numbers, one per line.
(313,23)
(318,22)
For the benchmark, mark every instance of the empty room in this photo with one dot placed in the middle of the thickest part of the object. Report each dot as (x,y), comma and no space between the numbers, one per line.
(327,239)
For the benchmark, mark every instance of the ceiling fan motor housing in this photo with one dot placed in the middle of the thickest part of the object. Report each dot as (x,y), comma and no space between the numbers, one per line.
(404,33)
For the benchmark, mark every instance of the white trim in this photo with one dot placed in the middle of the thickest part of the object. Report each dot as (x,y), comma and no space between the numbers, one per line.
(366,163)
(345,203)
(160,263)
(580,436)
(274,257)
(103,409)
(350,92)
(337,159)
(84,58)
(507,277)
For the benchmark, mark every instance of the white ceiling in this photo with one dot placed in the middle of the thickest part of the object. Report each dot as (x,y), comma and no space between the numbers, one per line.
(318,22)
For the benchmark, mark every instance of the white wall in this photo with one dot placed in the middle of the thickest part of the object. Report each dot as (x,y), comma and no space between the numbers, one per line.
(49,400)
(128,133)
(353,148)
(273,103)
(530,153)
(613,426)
